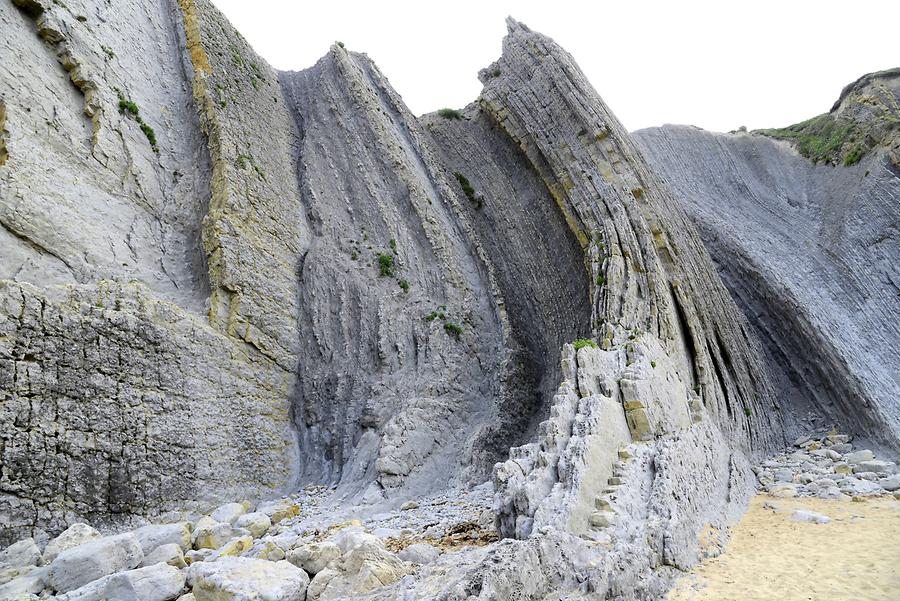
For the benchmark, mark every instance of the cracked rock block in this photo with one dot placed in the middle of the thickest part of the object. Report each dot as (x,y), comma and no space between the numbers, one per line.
(91,561)
(115,404)
(242,579)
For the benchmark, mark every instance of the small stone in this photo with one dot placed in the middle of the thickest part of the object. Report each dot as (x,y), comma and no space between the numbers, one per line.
(314,557)
(229,513)
(800,515)
(197,555)
(74,535)
(246,579)
(419,553)
(279,510)
(409,505)
(842,468)
(233,548)
(601,519)
(783,490)
(212,535)
(834,439)
(783,475)
(841,448)
(267,550)
(624,454)
(257,523)
(801,440)
(616,481)
(891,483)
(857,456)
(170,554)
(602,504)
(877,466)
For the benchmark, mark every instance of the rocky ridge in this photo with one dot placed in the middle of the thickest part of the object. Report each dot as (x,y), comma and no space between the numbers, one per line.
(397,308)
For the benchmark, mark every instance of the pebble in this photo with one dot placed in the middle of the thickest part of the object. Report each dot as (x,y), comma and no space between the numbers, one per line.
(827,467)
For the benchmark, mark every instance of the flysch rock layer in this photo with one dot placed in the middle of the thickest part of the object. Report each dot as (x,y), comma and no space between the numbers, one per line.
(809,253)
(338,292)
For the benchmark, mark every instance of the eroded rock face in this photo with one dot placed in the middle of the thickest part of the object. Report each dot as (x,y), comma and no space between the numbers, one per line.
(329,290)
(809,253)
(116,404)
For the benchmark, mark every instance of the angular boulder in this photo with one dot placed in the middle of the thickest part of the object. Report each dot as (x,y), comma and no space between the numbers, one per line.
(246,579)
(74,535)
(91,561)
(155,535)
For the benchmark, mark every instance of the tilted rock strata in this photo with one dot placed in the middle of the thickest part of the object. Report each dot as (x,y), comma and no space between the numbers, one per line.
(809,253)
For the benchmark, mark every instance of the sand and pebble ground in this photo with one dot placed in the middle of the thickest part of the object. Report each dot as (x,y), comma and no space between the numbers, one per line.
(825,526)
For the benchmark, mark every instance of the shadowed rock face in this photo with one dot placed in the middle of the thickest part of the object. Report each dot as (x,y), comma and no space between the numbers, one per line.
(809,253)
(334,291)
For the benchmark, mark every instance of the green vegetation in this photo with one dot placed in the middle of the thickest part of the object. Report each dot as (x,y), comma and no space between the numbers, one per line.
(243,160)
(853,156)
(339,43)
(393,244)
(747,411)
(453,329)
(404,284)
(127,107)
(496,73)
(583,342)
(819,139)
(385,265)
(450,114)
(653,364)
(468,190)
(108,51)
(601,280)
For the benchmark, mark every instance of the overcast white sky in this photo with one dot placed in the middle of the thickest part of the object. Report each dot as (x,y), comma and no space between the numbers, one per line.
(719,65)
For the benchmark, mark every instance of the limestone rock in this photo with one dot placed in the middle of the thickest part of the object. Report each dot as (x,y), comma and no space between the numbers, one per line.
(23,553)
(419,553)
(74,535)
(229,513)
(91,561)
(241,578)
(314,557)
(170,554)
(210,534)
(154,536)
(279,510)
(257,523)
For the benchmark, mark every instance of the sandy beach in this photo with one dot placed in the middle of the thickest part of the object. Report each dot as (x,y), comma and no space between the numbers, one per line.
(855,556)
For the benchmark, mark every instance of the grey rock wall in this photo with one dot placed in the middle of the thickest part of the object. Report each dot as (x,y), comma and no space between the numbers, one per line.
(116,404)
(809,253)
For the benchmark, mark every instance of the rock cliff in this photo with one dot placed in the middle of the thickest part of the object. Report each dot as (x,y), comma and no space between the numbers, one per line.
(222,282)
(808,250)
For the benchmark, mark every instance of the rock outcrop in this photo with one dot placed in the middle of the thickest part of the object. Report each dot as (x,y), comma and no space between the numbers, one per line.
(809,253)
(219,282)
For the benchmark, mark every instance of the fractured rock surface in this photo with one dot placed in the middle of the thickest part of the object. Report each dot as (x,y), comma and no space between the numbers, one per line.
(484,352)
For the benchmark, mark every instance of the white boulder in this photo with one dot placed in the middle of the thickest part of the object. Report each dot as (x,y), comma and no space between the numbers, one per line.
(85,563)
(246,579)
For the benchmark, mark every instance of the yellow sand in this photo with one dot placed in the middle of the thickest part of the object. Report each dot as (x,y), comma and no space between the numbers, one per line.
(855,557)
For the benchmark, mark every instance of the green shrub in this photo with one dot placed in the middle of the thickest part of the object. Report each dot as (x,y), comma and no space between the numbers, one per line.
(127,106)
(601,280)
(404,284)
(467,189)
(853,156)
(583,342)
(453,330)
(496,73)
(385,265)
(747,411)
(450,114)
(653,364)
(148,131)
(393,244)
